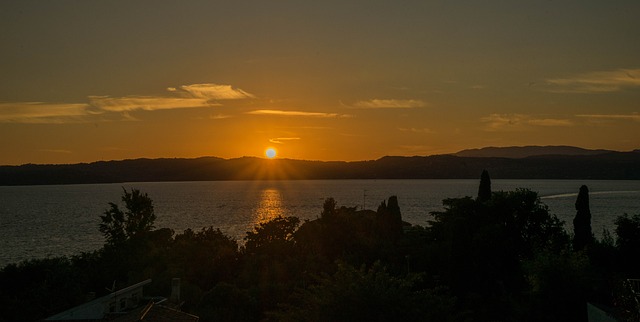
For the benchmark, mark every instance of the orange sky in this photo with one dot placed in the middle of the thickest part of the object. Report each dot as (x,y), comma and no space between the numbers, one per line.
(320,80)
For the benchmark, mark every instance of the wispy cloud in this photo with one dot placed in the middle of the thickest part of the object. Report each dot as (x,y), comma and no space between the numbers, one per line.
(219,117)
(295,113)
(519,122)
(390,103)
(213,117)
(282,140)
(596,82)
(40,112)
(58,151)
(549,122)
(415,130)
(145,103)
(312,127)
(213,92)
(605,117)
(186,96)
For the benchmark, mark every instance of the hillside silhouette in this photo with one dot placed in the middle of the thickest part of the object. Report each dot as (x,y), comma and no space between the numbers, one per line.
(611,165)
(528,151)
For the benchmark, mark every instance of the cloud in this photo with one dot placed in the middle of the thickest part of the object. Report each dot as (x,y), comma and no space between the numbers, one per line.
(219,117)
(213,92)
(295,113)
(59,151)
(596,82)
(629,117)
(40,112)
(282,140)
(313,127)
(549,122)
(145,103)
(415,130)
(519,122)
(213,117)
(390,103)
(187,96)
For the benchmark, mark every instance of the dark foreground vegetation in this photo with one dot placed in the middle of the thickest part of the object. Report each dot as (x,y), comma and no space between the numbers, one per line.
(500,256)
(609,165)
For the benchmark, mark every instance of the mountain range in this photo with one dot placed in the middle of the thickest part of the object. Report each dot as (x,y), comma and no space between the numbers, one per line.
(523,163)
(527,151)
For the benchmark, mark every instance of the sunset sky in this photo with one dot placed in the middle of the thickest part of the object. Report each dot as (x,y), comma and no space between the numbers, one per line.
(84,81)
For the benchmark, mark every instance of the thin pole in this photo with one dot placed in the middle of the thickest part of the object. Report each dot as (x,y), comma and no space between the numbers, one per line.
(364,198)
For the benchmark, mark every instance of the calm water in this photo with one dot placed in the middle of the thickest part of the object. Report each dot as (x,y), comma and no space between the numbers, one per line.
(40,221)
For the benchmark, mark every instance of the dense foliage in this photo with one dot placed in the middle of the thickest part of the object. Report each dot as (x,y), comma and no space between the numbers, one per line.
(498,257)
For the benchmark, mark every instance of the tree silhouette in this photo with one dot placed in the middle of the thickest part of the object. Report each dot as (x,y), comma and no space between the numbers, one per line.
(628,242)
(390,218)
(582,221)
(118,226)
(329,208)
(479,247)
(215,253)
(484,190)
(274,234)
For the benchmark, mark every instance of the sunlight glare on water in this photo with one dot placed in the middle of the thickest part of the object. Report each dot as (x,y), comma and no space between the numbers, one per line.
(269,205)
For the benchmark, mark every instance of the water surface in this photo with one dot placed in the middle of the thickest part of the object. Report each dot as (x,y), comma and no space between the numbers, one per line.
(40,221)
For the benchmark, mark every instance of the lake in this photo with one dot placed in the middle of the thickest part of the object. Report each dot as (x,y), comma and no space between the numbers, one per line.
(41,221)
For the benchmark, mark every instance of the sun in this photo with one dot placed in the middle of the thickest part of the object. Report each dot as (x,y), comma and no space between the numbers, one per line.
(270,153)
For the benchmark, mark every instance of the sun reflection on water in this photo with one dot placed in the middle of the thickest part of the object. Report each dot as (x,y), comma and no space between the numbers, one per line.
(269,206)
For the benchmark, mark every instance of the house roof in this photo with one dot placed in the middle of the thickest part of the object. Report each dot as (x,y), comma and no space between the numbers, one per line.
(62,316)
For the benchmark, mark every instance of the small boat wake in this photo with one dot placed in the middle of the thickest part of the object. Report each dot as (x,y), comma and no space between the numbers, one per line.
(575,194)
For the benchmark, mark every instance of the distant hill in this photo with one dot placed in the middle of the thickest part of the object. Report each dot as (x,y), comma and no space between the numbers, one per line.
(527,151)
(612,165)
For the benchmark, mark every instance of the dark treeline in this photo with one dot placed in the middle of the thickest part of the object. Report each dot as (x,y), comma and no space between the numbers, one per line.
(500,256)
(614,165)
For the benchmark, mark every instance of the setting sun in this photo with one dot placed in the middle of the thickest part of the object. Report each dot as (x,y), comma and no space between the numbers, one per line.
(271,153)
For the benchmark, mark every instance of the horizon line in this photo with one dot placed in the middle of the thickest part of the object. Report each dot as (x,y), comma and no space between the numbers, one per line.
(312,160)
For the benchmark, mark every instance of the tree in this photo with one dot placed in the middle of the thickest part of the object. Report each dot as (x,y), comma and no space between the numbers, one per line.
(37,288)
(582,221)
(215,253)
(484,190)
(390,218)
(367,295)
(274,234)
(628,243)
(329,208)
(118,226)
(270,268)
(480,247)
(559,286)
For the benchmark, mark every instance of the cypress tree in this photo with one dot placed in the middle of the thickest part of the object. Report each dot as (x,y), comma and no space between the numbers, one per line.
(484,190)
(582,235)
(390,218)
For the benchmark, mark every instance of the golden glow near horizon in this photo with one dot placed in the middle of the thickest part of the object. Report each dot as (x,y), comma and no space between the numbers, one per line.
(354,83)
